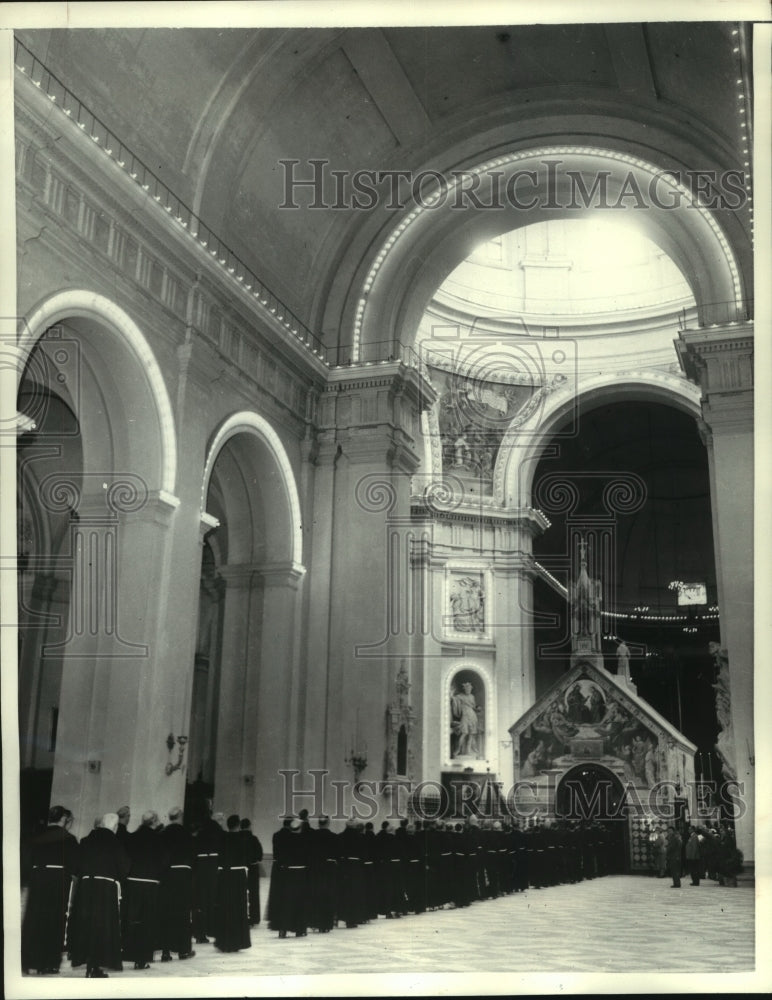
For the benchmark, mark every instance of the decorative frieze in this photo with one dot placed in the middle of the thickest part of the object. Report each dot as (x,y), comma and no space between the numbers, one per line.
(49,184)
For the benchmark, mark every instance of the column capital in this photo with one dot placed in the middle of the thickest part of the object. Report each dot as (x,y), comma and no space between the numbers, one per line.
(240,575)
(282,574)
(207,523)
(372,410)
(720,360)
(158,509)
(704,355)
(106,498)
(279,574)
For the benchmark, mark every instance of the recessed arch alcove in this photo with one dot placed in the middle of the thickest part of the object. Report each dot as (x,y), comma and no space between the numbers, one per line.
(252,551)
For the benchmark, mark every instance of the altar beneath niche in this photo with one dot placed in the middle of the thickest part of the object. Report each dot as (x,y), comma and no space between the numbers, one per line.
(471,793)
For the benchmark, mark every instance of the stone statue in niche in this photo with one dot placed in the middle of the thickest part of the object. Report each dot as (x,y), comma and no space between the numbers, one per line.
(465,723)
(467,605)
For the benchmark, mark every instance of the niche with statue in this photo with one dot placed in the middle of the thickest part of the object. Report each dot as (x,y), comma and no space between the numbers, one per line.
(467,716)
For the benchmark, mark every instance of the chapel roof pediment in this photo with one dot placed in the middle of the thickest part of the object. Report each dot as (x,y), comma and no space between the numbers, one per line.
(588,700)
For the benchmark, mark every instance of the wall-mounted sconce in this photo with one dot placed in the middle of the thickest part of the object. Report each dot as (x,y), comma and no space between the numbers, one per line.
(181,744)
(358,760)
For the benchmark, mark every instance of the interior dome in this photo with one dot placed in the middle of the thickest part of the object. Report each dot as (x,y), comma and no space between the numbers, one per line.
(566,268)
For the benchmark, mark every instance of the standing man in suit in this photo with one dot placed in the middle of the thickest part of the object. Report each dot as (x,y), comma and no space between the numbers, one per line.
(673,855)
(694,856)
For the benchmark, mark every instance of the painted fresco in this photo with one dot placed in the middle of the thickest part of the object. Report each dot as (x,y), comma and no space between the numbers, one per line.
(585,722)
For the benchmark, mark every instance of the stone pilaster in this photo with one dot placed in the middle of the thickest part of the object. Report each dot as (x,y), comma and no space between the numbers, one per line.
(367,448)
(112,724)
(720,361)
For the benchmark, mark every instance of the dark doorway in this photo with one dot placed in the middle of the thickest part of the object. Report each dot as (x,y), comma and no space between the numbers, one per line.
(594,796)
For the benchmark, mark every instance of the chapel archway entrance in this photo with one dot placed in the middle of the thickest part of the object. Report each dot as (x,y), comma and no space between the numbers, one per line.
(593,795)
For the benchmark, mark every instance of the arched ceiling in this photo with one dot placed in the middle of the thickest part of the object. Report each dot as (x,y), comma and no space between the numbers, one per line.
(214,112)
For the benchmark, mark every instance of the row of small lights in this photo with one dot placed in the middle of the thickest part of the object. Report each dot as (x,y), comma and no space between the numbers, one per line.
(429,201)
(549,576)
(639,612)
(540,512)
(636,615)
(743,124)
(274,310)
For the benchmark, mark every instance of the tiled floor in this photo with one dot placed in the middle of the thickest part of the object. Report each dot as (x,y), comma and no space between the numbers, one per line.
(617,924)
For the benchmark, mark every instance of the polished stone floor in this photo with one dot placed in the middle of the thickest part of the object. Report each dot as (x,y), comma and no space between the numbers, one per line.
(618,925)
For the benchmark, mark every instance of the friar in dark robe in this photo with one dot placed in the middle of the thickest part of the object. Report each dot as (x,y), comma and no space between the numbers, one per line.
(149,859)
(325,855)
(352,905)
(254,851)
(291,905)
(95,932)
(232,909)
(176,898)
(278,867)
(52,859)
(207,838)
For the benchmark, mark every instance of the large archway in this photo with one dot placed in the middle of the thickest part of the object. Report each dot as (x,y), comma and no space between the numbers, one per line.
(96,465)
(243,729)
(442,226)
(646,548)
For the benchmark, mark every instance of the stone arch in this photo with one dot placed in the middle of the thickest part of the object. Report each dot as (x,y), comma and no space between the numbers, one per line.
(523,446)
(250,519)
(412,259)
(280,492)
(143,403)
